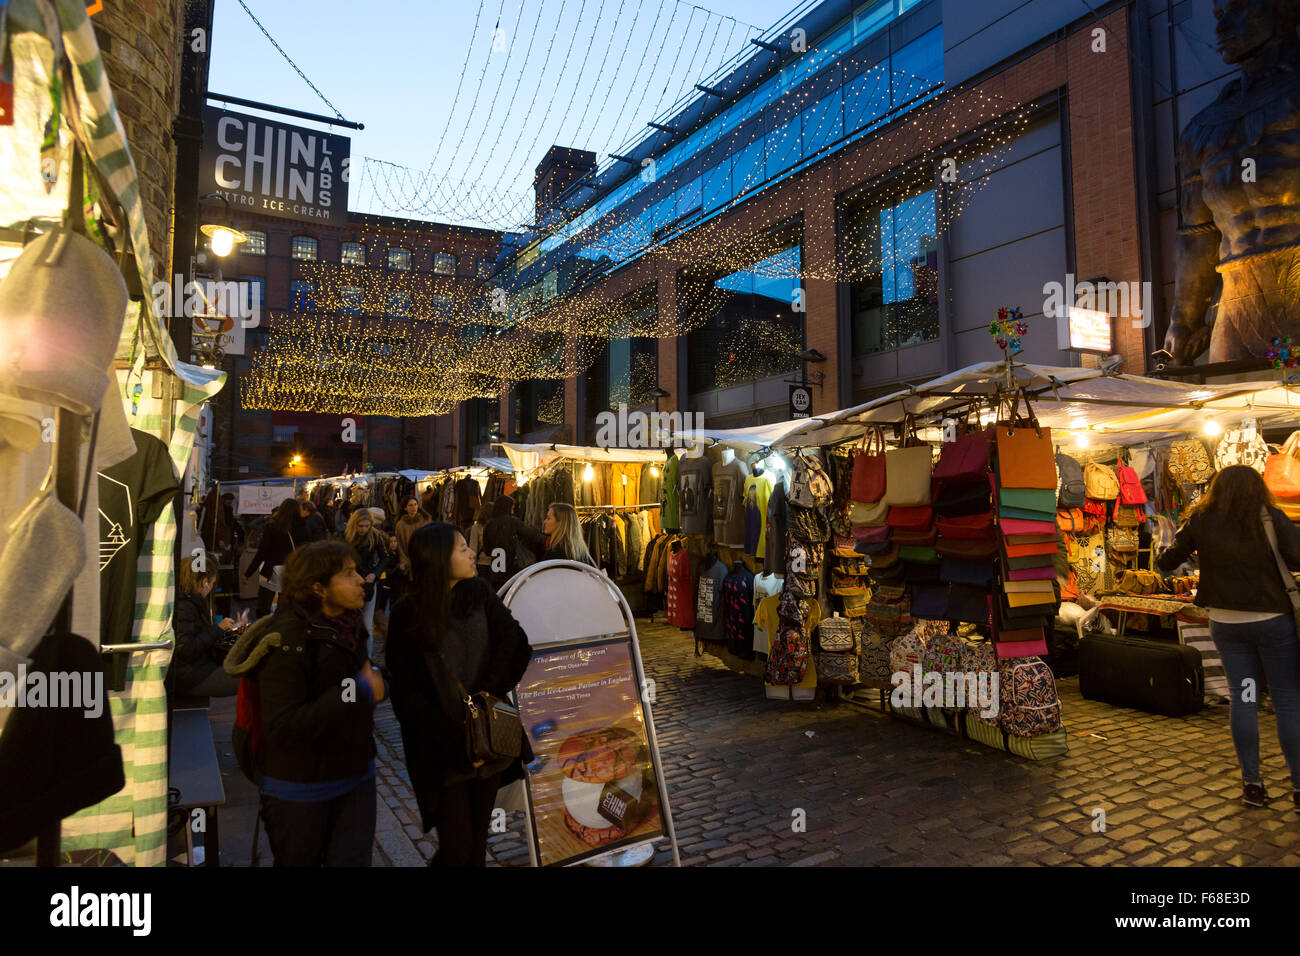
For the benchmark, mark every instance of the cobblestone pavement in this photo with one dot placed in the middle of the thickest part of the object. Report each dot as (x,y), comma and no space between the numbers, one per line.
(877,790)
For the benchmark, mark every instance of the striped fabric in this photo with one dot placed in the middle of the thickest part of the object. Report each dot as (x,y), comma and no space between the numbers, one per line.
(1216,678)
(132,823)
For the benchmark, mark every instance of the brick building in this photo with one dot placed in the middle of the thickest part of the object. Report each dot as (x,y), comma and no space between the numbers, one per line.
(290,262)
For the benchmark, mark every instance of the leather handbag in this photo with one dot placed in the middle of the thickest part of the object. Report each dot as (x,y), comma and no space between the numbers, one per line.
(958,501)
(910,518)
(968,603)
(925,537)
(907,469)
(873,534)
(1026,458)
(1043,573)
(868,483)
(918,554)
(1041,503)
(1019,526)
(1026,550)
(1282,471)
(918,573)
(966,459)
(873,547)
(975,573)
(836,634)
(1029,538)
(968,527)
(493,730)
(930,600)
(883,560)
(967,549)
(868,514)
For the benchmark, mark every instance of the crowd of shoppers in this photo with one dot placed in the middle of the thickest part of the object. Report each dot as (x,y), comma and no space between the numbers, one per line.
(310,670)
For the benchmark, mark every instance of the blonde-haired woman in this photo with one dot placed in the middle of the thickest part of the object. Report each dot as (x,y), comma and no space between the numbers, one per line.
(564,538)
(372,557)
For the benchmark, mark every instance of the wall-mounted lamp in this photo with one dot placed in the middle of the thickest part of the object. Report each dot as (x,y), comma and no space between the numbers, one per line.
(222,237)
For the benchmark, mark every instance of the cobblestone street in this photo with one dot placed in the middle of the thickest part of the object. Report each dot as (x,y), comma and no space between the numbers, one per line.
(878,790)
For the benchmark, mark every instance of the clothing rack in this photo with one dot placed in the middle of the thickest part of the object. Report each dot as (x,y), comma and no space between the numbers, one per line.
(653,504)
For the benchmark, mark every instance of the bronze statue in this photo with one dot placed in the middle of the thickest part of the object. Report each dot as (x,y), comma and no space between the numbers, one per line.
(1240,162)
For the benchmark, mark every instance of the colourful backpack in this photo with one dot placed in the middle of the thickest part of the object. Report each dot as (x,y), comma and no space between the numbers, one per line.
(810,487)
(977,657)
(1239,447)
(789,654)
(1130,486)
(1189,464)
(1028,704)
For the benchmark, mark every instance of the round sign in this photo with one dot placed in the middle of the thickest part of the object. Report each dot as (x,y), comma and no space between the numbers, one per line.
(801,399)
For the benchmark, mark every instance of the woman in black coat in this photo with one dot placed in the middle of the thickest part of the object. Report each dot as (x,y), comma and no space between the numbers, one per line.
(502,536)
(194,671)
(278,542)
(451,628)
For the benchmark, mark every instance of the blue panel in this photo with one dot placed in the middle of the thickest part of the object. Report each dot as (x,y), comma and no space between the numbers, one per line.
(747,169)
(784,146)
(866,98)
(918,66)
(717,185)
(689,196)
(823,123)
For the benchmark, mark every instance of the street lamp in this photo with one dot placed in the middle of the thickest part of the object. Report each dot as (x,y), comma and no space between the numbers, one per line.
(222,238)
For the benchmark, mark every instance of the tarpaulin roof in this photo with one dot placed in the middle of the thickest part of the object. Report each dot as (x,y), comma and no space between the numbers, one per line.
(745,439)
(496,464)
(524,457)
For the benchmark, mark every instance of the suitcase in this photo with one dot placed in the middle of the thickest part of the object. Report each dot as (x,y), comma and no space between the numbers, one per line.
(1156,676)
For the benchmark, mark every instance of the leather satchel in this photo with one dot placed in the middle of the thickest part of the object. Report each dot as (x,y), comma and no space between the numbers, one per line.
(1026,458)
(1282,471)
(868,483)
(493,730)
(907,470)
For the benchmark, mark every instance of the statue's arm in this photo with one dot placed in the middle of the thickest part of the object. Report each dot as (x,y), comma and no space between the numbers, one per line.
(1195,277)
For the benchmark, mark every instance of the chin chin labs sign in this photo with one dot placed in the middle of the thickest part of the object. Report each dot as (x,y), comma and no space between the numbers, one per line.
(275,169)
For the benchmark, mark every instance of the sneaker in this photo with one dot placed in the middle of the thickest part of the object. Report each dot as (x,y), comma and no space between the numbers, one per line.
(1253,795)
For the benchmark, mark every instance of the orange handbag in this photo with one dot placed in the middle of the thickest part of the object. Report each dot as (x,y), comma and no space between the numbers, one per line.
(1282,471)
(1026,458)
(1028,550)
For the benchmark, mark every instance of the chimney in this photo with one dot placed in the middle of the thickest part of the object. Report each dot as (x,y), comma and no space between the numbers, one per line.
(559,169)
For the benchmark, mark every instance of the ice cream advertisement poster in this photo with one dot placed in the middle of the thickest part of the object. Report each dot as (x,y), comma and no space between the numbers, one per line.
(592,785)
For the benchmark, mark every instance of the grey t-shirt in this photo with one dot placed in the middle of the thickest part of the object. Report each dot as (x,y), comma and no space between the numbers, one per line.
(729,503)
(695,492)
(708,602)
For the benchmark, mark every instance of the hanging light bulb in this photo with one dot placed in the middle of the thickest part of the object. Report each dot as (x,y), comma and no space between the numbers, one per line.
(1211,428)
(1082,440)
(588,473)
(654,470)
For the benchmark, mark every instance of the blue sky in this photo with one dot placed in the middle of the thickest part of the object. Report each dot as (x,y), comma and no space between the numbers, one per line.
(583,73)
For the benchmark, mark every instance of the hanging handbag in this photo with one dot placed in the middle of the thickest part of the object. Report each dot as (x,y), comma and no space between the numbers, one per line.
(967,549)
(836,668)
(873,534)
(1189,463)
(968,527)
(925,537)
(910,518)
(871,515)
(930,600)
(1241,446)
(1026,458)
(869,473)
(907,469)
(1282,471)
(836,634)
(959,501)
(965,459)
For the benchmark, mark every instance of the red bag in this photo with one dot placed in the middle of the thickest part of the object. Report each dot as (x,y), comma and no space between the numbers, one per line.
(966,459)
(968,527)
(868,484)
(871,533)
(914,518)
(1130,486)
(967,549)
(922,538)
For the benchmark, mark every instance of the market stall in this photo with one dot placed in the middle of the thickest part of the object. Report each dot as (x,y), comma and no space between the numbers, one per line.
(969,527)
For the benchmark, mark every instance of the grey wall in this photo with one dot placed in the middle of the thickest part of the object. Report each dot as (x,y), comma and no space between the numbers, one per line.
(980,33)
(1008,239)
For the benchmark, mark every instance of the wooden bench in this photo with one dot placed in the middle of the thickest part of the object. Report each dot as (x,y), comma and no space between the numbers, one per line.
(193,770)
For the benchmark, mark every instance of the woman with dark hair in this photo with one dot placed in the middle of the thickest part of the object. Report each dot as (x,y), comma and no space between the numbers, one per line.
(451,632)
(317,693)
(313,523)
(277,544)
(508,543)
(194,671)
(1251,618)
(412,519)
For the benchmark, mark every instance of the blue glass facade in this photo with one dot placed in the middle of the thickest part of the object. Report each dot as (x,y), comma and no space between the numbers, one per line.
(856,78)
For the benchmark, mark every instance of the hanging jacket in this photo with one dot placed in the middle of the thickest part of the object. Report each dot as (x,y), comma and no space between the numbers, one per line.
(681,594)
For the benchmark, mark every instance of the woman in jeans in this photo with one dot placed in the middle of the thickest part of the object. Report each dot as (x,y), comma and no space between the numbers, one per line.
(317,693)
(1251,618)
(451,631)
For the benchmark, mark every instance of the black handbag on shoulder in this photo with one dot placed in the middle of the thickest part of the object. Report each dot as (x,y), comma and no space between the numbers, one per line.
(493,730)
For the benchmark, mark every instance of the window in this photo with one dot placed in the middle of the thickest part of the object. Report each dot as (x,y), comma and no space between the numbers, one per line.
(747,168)
(399,259)
(440,303)
(823,124)
(302,295)
(866,97)
(444,264)
(484,268)
(352,254)
(399,303)
(689,197)
(304,247)
(783,146)
(350,300)
(918,66)
(745,323)
(717,186)
(893,261)
(254,294)
(256,244)
(284,434)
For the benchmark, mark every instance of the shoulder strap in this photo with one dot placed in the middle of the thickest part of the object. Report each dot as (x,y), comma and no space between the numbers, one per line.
(1288,579)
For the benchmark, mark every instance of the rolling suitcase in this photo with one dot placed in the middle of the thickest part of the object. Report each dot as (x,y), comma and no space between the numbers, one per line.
(1156,676)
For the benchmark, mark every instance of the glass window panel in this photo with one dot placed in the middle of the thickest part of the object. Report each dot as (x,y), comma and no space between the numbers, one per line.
(444,264)
(302,295)
(254,293)
(784,146)
(748,168)
(352,254)
(689,197)
(717,186)
(256,244)
(304,247)
(823,123)
(350,300)
(871,17)
(399,303)
(918,66)
(866,97)
(399,259)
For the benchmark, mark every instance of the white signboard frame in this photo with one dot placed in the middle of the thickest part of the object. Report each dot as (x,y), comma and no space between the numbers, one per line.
(260,499)
(566,602)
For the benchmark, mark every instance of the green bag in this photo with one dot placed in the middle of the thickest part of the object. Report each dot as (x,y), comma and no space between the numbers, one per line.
(1042,500)
(918,554)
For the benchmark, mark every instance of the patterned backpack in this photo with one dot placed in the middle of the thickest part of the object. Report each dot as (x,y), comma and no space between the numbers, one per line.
(981,657)
(1028,705)
(1241,447)
(1189,464)
(788,657)
(810,487)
